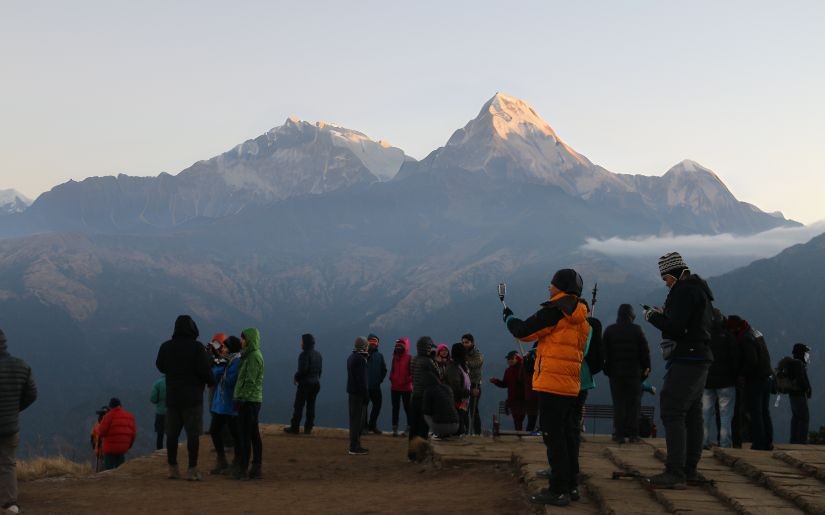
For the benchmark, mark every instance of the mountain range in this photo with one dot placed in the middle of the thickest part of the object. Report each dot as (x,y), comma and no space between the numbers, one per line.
(316,228)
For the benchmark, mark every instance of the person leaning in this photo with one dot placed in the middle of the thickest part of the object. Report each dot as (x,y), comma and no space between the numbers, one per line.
(308,381)
(17,392)
(561,329)
(117,432)
(186,365)
(685,323)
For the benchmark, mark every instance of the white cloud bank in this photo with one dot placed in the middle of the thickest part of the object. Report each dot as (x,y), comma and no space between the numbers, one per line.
(761,245)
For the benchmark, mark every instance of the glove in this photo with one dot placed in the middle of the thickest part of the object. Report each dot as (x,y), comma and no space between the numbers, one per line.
(506,313)
(648,313)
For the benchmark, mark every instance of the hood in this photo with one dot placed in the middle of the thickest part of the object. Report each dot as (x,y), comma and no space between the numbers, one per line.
(406,344)
(185,328)
(442,346)
(424,345)
(308,341)
(738,326)
(625,313)
(568,304)
(253,340)
(697,281)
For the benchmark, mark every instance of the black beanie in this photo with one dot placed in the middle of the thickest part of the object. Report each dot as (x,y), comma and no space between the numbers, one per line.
(568,281)
(233,343)
(114,402)
(799,349)
(308,341)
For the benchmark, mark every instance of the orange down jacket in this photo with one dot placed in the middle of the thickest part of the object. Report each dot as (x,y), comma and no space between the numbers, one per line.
(561,342)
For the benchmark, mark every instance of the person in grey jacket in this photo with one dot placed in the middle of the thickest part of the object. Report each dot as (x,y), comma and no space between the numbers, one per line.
(17,392)
(308,380)
(475,362)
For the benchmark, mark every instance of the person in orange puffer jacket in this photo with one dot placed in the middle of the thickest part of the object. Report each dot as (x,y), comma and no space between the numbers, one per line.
(117,430)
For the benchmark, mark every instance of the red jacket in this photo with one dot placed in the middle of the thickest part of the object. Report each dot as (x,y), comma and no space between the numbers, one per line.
(118,431)
(514,382)
(400,371)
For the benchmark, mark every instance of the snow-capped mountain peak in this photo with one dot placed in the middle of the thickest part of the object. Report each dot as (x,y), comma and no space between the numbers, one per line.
(12,201)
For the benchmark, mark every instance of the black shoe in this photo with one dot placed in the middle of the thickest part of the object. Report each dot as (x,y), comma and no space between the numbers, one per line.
(667,480)
(292,430)
(548,497)
(359,451)
(574,494)
(634,439)
(307,430)
(543,473)
(254,472)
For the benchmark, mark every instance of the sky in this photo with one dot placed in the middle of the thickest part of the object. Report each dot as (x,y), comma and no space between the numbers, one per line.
(107,87)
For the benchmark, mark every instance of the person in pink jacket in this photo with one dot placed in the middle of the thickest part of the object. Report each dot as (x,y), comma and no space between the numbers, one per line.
(400,381)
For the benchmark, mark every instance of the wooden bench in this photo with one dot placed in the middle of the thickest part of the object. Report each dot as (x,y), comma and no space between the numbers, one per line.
(605,411)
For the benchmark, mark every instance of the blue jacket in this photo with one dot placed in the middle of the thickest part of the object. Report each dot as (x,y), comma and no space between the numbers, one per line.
(376,369)
(587,381)
(227,375)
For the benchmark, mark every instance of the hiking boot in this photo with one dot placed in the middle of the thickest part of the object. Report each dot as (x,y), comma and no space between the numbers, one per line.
(634,439)
(667,480)
(574,494)
(376,431)
(358,452)
(548,497)
(545,473)
(237,473)
(11,507)
(221,466)
(254,472)
(174,472)
(193,474)
(292,430)
(617,439)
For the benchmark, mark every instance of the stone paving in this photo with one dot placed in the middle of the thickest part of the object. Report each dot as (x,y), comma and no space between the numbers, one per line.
(789,479)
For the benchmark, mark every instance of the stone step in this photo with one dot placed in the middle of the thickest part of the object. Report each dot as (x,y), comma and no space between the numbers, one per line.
(641,459)
(811,462)
(786,481)
(735,490)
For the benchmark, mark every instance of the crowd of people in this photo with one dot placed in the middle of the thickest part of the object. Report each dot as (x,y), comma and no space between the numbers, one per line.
(717,383)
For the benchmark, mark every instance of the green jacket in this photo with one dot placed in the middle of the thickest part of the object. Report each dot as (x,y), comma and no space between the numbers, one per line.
(250,384)
(158,397)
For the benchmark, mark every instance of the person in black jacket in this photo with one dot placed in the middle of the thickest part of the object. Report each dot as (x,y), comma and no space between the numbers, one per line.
(685,324)
(425,375)
(308,380)
(188,369)
(358,394)
(627,364)
(720,387)
(757,374)
(17,392)
(439,411)
(801,392)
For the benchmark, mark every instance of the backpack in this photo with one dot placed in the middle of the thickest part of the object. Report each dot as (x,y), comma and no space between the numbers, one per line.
(784,377)
(594,358)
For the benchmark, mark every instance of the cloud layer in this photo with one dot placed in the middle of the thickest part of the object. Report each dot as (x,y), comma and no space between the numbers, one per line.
(761,245)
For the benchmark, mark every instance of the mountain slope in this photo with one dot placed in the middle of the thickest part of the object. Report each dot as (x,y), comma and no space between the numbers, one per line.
(297,158)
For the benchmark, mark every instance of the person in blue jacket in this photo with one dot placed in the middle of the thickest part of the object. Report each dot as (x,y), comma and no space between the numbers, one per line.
(224,413)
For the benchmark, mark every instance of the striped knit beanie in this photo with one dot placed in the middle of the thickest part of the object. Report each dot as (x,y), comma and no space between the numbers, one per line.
(672,264)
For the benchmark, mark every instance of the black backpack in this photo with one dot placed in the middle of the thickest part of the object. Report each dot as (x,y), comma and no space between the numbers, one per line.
(784,377)
(594,358)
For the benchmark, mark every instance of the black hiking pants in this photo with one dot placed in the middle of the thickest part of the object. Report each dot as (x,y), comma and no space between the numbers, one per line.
(559,430)
(305,395)
(681,407)
(375,399)
(399,398)
(177,419)
(627,397)
(216,431)
(418,426)
(357,408)
(758,394)
(800,418)
(250,434)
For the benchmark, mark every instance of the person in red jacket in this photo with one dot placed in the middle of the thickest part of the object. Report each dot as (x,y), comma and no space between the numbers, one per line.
(117,430)
(514,382)
(400,381)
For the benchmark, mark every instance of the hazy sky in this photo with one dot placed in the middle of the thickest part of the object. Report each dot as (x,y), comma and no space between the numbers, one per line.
(100,88)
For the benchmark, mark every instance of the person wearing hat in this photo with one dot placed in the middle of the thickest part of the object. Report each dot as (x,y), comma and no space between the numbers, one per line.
(425,375)
(685,323)
(800,393)
(117,431)
(562,332)
(308,381)
(513,380)
(358,392)
(17,392)
(376,373)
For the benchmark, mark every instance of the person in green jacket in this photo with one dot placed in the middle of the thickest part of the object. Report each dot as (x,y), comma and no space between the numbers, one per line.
(249,392)
(158,398)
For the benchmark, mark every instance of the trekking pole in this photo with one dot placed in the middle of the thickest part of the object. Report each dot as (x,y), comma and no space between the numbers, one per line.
(593,299)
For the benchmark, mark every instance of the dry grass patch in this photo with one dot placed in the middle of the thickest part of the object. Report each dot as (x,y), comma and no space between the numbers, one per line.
(40,468)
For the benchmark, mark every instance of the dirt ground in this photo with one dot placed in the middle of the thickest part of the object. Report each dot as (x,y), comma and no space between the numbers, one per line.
(301,474)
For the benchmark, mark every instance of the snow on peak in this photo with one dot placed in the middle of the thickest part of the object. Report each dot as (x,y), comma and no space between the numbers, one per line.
(12,201)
